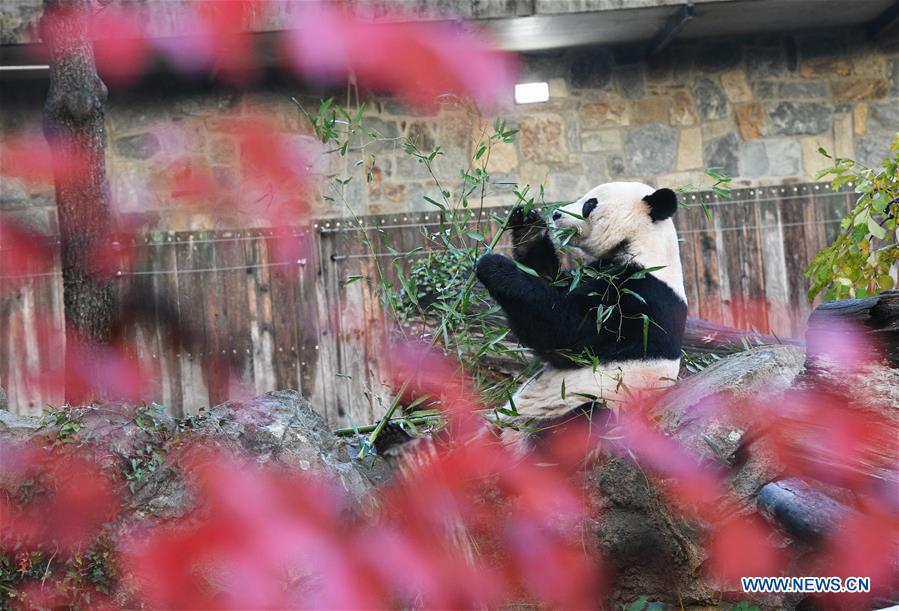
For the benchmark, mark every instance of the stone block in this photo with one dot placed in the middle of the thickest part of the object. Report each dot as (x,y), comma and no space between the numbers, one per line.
(859,89)
(871,150)
(736,86)
(596,168)
(718,56)
(871,62)
(813,161)
(650,149)
(591,68)
(629,80)
(682,112)
(859,119)
(558,88)
(834,65)
(503,157)
(780,157)
(565,187)
(803,89)
(750,120)
(603,141)
(533,174)
(650,110)
(885,116)
(421,134)
(138,146)
(843,141)
(542,138)
(784,157)
(610,112)
(710,100)
(800,118)
(716,129)
(454,131)
(223,150)
(616,166)
(722,153)
(765,62)
(689,149)
(765,90)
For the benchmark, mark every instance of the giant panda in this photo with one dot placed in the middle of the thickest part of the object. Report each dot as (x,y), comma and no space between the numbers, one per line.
(626,235)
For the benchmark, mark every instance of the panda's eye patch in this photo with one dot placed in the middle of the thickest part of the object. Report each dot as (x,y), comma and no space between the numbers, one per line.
(589,205)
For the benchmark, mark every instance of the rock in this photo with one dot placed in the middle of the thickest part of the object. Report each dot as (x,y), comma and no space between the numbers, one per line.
(609,112)
(689,149)
(682,111)
(591,68)
(649,150)
(885,116)
(542,138)
(652,550)
(798,118)
(138,146)
(716,57)
(651,110)
(278,428)
(630,82)
(765,62)
(736,86)
(871,150)
(281,427)
(750,119)
(710,100)
(776,157)
(601,141)
(859,89)
(802,89)
(722,153)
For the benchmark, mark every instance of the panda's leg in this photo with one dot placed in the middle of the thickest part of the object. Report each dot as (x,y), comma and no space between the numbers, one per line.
(543,317)
(531,244)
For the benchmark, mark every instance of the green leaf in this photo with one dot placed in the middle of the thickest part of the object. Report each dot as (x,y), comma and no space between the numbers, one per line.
(645,333)
(434,202)
(636,295)
(876,230)
(474,235)
(527,270)
(637,605)
(563,388)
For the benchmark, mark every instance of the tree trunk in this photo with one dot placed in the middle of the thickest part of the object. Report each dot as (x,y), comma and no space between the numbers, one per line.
(74,128)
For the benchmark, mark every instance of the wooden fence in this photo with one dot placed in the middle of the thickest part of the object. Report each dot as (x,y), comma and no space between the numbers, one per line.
(316,325)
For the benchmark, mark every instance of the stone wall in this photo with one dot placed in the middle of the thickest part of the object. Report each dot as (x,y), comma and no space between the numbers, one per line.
(758,108)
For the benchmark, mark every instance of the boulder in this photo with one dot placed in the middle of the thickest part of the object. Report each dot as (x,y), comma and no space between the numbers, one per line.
(140,442)
(652,550)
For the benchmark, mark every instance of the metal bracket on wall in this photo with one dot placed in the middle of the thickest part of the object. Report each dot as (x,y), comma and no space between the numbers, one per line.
(671,29)
(884,22)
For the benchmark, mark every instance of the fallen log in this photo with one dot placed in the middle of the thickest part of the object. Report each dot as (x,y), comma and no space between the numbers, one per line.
(874,320)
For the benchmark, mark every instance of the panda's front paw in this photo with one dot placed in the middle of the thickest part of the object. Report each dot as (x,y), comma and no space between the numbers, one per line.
(492,264)
(518,218)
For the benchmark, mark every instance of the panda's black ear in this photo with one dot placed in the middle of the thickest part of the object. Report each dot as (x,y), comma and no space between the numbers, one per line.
(662,204)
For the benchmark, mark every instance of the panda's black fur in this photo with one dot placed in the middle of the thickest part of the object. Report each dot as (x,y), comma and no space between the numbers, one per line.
(557,322)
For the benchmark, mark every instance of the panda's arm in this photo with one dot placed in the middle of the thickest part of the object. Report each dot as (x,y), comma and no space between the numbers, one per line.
(542,317)
(531,244)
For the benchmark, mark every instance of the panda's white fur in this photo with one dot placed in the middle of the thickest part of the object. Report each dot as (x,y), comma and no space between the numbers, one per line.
(620,214)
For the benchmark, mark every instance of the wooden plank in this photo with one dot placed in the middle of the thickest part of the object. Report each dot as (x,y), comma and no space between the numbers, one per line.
(284,315)
(235,324)
(683,223)
(774,267)
(705,248)
(793,215)
(307,322)
(195,393)
(327,295)
(165,283)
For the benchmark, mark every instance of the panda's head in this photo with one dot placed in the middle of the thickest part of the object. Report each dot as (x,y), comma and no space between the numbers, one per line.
(627,221)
